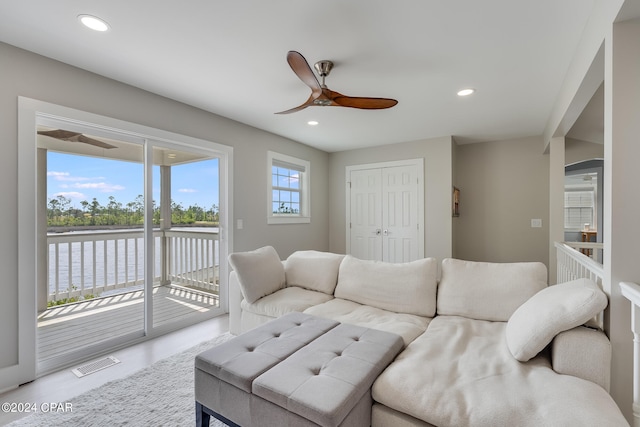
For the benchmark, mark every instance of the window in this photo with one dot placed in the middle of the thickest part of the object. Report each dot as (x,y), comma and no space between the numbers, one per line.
(579,209)
(288,190)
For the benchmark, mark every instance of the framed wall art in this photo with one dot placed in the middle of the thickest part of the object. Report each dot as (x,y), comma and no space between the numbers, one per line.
(456,201)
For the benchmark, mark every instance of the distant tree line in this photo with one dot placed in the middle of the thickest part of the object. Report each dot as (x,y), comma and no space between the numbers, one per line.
(60,213)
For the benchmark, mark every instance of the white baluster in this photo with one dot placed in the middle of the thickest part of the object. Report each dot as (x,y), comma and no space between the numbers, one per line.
(631,291)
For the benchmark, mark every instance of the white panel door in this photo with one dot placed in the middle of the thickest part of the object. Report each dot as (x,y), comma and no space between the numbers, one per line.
(366,214)
(400,226)
(385,212)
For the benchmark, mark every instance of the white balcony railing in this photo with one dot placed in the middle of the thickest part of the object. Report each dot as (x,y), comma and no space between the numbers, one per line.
(192,259)
(631,291)
(591,249)
(573,264)
(86,264)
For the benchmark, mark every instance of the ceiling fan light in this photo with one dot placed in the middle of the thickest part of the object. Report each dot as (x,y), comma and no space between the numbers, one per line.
(94,23)
(312,123)
(466,92)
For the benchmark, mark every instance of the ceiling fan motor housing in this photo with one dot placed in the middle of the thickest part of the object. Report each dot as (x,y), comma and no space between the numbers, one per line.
(323,67)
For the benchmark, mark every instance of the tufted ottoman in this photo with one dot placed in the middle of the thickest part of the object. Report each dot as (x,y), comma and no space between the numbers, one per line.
(297,370)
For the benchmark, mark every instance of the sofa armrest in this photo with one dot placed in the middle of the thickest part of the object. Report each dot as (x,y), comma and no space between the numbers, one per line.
(584,353)
(235,299)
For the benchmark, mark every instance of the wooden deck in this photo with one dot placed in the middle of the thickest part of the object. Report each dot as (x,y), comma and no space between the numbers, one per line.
(67,328)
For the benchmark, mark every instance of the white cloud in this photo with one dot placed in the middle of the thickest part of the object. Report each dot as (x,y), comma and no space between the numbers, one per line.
(103,187)
(58,175)
(188,190)
(66,176)
(71,195)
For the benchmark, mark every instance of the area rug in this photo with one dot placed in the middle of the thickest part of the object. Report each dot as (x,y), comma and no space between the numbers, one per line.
(160,395)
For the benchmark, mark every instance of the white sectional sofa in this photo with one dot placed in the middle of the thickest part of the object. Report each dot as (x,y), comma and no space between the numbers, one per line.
(485,344)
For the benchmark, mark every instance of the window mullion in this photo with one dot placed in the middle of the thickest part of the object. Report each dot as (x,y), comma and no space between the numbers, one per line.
(293,190)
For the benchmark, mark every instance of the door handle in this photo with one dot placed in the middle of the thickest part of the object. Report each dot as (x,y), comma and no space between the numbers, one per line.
(386,232)
(377,232)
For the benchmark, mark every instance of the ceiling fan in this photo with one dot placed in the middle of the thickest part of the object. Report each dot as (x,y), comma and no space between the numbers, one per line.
(67,135)
(323,96)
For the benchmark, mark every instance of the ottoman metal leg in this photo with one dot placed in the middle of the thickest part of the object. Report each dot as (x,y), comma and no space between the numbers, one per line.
(202,417)
(204,414)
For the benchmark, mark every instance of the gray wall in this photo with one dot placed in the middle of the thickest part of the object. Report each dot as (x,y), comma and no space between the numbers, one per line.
(576,151)
(503,185)
(437,155)
(33,76)
(250,196)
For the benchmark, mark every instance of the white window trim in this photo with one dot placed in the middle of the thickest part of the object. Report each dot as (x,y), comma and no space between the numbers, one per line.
(594,209)
(305,207)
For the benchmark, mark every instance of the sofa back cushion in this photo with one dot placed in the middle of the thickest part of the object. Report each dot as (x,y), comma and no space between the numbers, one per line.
(398,287)
(314,270)
(487,291)
(260,272)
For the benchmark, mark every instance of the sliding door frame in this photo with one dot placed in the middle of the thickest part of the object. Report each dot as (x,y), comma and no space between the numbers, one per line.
(32,113)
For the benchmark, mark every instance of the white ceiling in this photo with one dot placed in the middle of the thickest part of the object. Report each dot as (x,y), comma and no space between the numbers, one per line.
(228,57)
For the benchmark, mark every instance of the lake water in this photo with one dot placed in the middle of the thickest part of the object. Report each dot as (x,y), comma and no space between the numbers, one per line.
(127,267)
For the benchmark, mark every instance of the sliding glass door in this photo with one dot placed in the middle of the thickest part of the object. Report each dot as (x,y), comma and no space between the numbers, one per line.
(186,221)
(128,236)
(93,292)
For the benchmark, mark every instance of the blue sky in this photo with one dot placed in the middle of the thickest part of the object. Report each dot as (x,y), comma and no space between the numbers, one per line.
(81,178)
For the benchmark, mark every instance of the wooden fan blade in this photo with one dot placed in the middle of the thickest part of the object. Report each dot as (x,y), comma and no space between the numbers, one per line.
(67,135)
(364,103)
(301,67)
(95,142)
(307,103)
(323,96)
(59,134)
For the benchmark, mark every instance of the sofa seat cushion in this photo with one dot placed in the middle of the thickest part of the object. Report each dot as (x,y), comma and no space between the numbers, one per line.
(285,301)
(408,326)
(461,373)
(487,290)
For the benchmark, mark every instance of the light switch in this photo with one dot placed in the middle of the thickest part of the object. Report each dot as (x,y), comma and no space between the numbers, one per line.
(239,224)
(536,223)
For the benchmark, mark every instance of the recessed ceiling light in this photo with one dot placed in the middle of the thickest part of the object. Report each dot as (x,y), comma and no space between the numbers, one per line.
(312,123)
(466,92)
(93,22)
